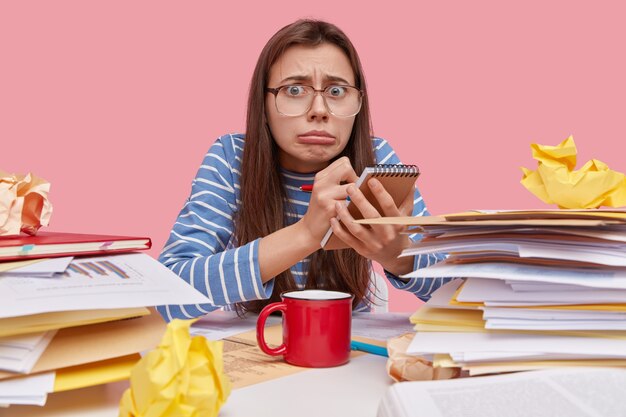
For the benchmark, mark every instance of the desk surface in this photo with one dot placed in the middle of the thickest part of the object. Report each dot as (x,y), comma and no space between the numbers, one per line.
(352,389)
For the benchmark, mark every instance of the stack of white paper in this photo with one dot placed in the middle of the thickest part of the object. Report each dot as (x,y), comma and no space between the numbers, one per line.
(85,298)
(20,353)
(540,289)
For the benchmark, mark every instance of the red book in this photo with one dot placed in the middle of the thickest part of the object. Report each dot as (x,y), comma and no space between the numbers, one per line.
(55,244)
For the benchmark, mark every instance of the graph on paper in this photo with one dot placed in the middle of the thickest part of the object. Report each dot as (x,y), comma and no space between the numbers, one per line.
(105,272)
(115,281)
(96,269)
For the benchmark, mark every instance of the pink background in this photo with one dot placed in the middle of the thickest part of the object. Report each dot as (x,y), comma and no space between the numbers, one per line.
(116,102)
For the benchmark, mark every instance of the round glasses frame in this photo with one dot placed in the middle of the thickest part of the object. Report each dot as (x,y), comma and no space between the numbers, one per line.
(276,90)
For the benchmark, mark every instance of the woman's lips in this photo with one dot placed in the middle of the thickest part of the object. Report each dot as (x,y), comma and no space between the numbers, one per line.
(312,139)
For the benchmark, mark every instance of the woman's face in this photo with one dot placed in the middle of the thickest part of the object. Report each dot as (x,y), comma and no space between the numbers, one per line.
(308,142)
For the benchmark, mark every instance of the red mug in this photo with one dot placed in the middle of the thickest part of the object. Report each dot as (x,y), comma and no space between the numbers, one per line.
(316,328)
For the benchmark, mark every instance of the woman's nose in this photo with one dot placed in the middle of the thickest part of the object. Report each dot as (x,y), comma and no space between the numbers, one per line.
(318,108)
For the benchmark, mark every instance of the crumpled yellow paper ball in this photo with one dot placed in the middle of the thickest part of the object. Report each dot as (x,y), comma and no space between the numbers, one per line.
(182,377)
(24,204)
(557,182)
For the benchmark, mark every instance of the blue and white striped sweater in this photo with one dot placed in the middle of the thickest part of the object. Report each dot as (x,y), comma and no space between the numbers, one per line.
(202,249)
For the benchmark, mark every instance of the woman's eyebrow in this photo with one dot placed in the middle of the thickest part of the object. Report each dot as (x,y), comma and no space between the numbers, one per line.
(296,78)
(306,78)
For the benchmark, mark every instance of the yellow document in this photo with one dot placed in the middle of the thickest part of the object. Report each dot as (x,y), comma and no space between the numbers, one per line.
(483,368)
(8,266)
(182,377)
(33,323)
(557,182)
(475,370)
(453,317)
(444,360)
(96,373)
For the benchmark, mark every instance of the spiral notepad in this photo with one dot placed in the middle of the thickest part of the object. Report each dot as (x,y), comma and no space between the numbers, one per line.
(398,180)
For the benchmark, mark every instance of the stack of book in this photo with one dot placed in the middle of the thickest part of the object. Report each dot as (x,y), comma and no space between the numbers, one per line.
(538,289)
(74,311)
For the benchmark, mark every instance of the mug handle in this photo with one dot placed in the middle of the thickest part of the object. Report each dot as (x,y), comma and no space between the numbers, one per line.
(260,327)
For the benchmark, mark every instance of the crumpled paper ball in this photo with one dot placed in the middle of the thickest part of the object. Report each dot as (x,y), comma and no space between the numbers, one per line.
(24,204)
(557,182)
(402,367)
(182,377)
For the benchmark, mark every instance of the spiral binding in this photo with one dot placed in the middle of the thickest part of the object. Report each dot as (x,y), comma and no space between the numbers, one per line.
(400,170)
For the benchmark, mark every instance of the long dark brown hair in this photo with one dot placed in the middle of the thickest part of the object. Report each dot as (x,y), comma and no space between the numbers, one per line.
(263,197)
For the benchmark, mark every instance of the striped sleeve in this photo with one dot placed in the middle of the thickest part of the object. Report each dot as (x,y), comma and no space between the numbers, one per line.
(421,287)
(200,247)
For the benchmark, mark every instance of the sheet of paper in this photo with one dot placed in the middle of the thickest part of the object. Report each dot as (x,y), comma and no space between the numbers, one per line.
(245,364)
(554,325)
(28,390)
(9,266)
(522,286)
(118,281)
(550,314)
(442,342)
(47,267)
(442,296)
(380,326)
(61,319)
(20,353)
(479,370)
(615,233)
(219,325)
(595,278)
(493,357)
(611,257)
(469,319)
(486,290)
(602,254)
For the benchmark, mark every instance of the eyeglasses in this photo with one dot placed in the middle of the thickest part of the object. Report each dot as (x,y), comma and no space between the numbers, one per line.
(296,100)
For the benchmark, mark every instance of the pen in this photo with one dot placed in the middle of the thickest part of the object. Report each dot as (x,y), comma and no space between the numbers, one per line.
(308,188)
(366,347)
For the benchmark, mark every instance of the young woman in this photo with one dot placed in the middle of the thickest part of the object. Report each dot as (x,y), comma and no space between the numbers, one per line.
(248,232)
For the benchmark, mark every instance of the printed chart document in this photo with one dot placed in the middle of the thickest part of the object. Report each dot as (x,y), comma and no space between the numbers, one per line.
(571,392)
(116,281)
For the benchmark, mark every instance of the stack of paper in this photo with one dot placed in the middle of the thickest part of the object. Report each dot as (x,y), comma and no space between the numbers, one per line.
(67,323)
(540,289)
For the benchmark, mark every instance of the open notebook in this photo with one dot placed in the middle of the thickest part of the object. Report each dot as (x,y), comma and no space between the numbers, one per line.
(572,392)
(398,180)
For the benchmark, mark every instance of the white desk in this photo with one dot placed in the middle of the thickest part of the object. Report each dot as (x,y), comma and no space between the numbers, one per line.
(354,389)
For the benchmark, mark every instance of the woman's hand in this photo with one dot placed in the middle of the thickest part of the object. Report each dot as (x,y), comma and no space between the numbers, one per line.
(328,190)
(380,243)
